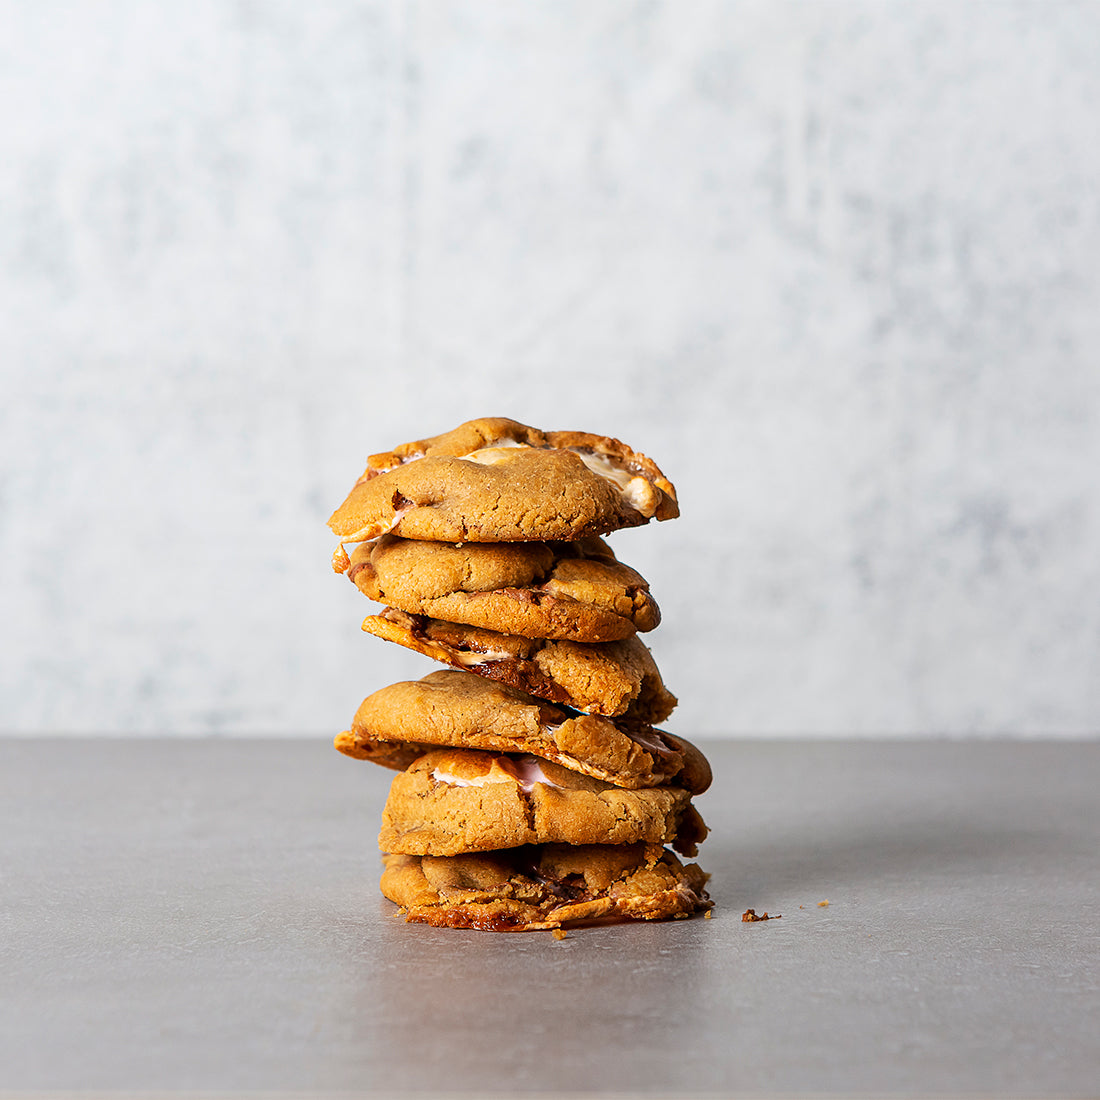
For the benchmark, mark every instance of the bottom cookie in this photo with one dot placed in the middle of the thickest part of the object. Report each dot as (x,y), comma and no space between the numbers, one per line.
(546,886)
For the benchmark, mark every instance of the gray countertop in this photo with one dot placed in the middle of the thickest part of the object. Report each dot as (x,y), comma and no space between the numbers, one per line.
(203,916)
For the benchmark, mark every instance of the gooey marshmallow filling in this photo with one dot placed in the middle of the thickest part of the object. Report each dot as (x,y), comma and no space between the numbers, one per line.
(525,770)
(468,658)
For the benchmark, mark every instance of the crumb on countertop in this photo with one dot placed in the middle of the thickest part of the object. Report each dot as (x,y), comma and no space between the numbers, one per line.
(749,916)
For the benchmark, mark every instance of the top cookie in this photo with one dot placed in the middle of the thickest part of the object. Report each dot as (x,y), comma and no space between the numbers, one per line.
(496,480)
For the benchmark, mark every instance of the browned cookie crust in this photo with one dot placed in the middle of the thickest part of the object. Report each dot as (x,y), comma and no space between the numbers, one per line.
(496,480)
(610,678)
(458,709)
(574,590)
(457,800)
(527,889)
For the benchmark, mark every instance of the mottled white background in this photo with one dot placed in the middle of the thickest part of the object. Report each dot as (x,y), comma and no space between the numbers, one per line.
(836,266)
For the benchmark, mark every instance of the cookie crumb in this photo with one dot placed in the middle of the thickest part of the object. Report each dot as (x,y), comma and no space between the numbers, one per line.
(823,904)
(707,915)
(340,560)
(559,933)
(749,915)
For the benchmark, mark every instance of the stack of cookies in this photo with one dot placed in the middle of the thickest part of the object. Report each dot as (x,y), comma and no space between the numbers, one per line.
(534,791)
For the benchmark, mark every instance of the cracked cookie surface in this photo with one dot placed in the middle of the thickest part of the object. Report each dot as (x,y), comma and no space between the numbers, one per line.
(609,678)
(573,590)
(452,801)
(456,709)
(496,480)
(544,887)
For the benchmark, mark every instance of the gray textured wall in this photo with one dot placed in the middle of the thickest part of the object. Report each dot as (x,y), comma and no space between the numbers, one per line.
(836,266)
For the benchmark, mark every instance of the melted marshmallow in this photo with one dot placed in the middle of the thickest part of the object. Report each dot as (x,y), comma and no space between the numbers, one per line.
(469,659)
(498,452)
(340,559)
(524,770)
(638,493)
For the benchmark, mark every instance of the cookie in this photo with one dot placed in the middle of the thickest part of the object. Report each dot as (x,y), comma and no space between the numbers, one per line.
(452,801)
(457,709)
(575,590)
(544,887)
(496,480)
(608,678)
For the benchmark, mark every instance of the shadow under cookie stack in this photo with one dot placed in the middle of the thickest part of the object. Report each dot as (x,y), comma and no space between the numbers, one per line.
(533,790)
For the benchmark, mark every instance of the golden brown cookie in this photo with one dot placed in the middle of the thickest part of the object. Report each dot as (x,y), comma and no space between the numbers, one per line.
(452,801)
(544,887)
(574,590)
(496,480)
(460,710)
(610,678)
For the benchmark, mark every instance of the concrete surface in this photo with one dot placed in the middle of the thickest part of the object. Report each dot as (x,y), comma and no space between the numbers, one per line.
(202,917)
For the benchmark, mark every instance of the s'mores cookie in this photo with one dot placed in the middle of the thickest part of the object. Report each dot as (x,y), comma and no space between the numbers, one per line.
(496,480)
(545,887)
(457,709)
(576,590)
(452,801)
(610,678)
